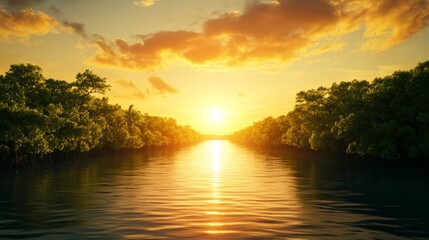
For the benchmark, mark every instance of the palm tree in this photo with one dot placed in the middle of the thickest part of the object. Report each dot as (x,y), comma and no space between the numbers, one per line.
(132,116)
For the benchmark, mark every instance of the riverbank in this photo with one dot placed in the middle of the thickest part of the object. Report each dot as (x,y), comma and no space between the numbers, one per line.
(335,157)
(60,158)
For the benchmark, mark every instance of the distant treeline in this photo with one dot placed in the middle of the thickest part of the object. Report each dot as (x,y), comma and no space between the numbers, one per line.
(387,118)
(41,116)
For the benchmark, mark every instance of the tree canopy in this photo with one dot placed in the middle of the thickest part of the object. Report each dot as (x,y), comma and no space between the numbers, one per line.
(387,118)
(41,116)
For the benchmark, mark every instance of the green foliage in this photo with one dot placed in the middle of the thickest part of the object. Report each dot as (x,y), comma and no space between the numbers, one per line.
(387,118)
(40,116)
(87,83)
(267,132)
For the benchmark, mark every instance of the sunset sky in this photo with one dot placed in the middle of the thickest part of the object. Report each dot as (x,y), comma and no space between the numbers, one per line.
(215,65)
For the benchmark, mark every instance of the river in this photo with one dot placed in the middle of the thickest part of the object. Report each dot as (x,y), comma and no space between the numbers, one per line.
(213,190)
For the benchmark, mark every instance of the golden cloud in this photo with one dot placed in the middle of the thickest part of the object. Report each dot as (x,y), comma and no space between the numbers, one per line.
(142,55)
(132,88)
(129,89)
(145,3)
(161,86)
(278,31)
(24,24)
(389,22)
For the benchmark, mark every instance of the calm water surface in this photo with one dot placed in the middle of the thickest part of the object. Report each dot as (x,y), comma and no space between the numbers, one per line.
(214,190)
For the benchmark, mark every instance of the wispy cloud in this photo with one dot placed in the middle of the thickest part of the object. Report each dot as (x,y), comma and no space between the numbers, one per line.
(161,86)
(145,3)
(20,4)
(390,22)
(267,31)
(157,86)
(130,86)
(77,28)
(25,23)
(54,11)
(145,54)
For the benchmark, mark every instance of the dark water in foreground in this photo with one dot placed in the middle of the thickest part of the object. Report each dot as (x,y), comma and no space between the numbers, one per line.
(214,190)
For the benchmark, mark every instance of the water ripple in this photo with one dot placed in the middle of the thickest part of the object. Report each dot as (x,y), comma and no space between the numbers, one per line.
(215,190)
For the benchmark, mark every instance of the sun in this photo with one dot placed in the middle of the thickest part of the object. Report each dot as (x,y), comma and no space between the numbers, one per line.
(216,115)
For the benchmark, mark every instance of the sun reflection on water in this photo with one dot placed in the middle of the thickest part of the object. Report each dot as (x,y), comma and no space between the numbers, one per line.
(218,193)
(214,190)
(215,223)
(216,168)
(216,156)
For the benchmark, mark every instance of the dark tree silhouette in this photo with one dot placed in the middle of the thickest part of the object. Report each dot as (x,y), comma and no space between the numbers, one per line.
(41,116)
(387,118)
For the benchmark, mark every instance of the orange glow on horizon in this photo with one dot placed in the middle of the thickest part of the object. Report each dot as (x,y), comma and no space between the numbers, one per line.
(226,71)
(214,120)
(216,116)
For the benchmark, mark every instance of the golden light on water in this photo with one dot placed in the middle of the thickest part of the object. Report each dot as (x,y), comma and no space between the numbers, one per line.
(211,191)
(216,222)
(216,157)
(219,232)
(213,213)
